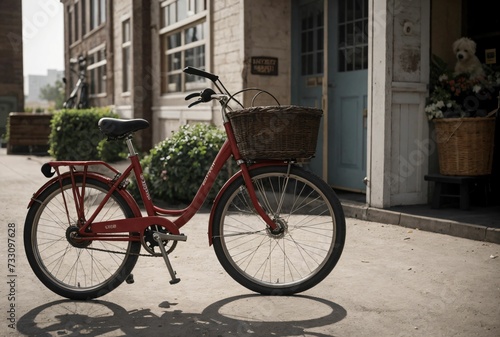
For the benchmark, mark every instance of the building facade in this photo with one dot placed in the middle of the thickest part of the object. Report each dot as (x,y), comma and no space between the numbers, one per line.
(364,62)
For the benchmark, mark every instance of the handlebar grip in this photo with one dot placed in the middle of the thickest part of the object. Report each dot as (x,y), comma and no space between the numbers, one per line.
(194,94)
(199,72)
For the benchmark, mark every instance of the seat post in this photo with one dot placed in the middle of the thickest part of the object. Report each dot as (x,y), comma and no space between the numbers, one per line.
(131,149)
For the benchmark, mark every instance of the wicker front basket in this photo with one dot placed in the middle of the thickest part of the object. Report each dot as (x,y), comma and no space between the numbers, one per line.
(465,145)
(276,132)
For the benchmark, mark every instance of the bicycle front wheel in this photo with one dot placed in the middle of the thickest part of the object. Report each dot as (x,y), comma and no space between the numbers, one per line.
(290,260)
(73,268)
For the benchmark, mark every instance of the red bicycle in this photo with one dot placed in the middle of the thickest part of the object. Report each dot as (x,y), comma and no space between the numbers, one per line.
(276,228)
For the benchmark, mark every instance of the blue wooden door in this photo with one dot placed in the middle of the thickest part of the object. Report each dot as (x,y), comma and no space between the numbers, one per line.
(308,67)
(347,93)
(346,76)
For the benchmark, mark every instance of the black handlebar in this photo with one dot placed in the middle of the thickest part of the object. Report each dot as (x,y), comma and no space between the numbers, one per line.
(202,73)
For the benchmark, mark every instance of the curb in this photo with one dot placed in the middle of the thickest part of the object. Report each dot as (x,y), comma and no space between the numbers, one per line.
(441,226)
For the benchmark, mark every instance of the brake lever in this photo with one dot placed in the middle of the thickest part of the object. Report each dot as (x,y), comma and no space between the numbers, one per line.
(192,95)
(195,102)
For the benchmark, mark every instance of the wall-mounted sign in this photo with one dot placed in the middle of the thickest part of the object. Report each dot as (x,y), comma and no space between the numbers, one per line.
(264,65)
(490,56)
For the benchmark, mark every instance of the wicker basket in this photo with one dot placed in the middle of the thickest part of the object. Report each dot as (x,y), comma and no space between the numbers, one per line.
(465,145)
(276,132)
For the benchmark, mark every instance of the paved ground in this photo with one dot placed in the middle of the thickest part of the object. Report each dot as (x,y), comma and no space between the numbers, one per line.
(390,281)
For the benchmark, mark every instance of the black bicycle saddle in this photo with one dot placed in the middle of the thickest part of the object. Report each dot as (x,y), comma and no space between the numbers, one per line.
(116,128)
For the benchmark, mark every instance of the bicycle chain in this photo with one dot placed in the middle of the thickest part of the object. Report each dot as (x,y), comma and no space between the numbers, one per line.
(123,253)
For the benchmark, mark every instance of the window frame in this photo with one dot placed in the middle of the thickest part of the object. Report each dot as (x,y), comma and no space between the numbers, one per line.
(181,26)
(97,14)
(101,63)
(126,45)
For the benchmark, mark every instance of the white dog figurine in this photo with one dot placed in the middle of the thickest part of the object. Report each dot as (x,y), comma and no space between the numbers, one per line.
(467,62)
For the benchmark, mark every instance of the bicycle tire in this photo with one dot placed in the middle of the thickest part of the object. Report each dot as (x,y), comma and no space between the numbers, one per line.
(289,262)
(78,273)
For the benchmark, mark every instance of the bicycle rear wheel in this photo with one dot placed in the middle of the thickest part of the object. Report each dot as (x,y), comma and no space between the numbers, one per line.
(294,259)
(78,270)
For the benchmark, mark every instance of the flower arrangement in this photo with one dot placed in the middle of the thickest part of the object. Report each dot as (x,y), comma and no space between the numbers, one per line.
(452,96)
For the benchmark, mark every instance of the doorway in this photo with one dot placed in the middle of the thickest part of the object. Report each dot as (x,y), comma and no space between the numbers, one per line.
(338,28)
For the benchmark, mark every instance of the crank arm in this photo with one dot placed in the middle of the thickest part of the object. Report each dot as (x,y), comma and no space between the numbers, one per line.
(160,237)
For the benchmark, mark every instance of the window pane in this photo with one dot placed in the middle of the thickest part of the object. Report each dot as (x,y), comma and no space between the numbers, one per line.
(201,5)
(341,60)
(342,10)
(319,39)
(358,58)
(70,24)
(172,13)
(319,63)
(92,81)
(164,16)
(358,39)
(126,31)
(194,34)
(349,59)
(174,40)
(342,35)
(84,17)
(182,10)
(102,11)
(94,14)
(126,69)
(77,26)
(195,57)
(174,61)
(358,9)
(174,83)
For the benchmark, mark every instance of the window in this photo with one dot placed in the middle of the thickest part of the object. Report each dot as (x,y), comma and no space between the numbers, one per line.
(70,24)
(353,35)
(84,17)
(311,44)
(183,39)
(126,61)
(97,13)
(97,71)
(75,23)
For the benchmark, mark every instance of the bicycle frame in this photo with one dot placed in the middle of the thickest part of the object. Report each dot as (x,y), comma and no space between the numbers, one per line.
(132,229)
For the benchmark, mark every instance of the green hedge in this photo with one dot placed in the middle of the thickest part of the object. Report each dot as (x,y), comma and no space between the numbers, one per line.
(175,168)
(75,136)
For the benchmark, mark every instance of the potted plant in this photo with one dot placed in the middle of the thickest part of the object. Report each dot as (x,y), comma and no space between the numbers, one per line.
(461,108)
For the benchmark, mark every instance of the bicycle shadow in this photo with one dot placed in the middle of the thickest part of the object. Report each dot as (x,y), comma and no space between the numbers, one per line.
(244,315)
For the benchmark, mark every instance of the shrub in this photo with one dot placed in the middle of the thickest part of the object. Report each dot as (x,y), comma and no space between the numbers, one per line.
(175,168)
(75,136)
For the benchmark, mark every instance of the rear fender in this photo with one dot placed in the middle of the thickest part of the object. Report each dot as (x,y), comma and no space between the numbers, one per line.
(224,188)
(106,180)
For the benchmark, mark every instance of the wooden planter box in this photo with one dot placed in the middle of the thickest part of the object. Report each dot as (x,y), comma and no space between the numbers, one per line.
(28,132)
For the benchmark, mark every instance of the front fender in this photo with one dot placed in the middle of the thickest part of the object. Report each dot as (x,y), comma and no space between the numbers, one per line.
(123,192)
(224,188)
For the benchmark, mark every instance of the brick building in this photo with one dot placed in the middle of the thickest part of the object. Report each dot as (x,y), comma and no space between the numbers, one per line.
(365,63)
(11,60)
